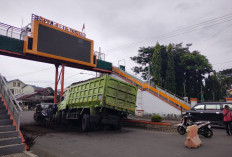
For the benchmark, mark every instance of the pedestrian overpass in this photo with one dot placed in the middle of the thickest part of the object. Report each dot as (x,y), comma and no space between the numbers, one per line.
(36,44)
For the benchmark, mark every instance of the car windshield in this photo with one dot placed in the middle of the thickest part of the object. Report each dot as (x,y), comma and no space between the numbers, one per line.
(199,107)
(45,106)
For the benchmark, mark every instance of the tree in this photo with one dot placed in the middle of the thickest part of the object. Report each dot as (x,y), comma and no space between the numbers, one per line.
(174,67)
(156,65)
(143,59)
(178,51)
(225,78)
(170,80)
(196,66)
(213,89)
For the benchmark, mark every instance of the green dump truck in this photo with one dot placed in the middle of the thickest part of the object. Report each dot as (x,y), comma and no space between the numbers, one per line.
(104,100)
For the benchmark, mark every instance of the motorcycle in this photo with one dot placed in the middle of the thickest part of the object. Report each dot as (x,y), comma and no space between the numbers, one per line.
(40,116)
(204,128)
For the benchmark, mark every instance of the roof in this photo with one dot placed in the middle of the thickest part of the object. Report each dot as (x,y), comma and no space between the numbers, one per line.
(33,86)
(15,81)
(43,91)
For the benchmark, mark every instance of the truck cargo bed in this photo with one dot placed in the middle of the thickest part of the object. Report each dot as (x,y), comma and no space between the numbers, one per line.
(105,92)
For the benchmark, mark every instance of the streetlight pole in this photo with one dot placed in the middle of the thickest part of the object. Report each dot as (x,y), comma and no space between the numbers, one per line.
(149,74)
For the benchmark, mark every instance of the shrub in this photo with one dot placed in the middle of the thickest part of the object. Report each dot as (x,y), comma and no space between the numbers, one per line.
(156,118)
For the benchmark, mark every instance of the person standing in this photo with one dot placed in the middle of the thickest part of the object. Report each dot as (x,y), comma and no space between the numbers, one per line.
(227,119)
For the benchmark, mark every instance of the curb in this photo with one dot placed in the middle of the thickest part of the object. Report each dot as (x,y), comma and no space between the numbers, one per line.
(30,154)
(146,122)
(158,126)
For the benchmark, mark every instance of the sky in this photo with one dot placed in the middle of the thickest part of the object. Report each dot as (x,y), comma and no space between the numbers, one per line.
(120,27)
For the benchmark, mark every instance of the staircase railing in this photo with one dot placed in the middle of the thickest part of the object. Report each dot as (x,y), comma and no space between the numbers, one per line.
(178,98)
(159,89)
(12,104)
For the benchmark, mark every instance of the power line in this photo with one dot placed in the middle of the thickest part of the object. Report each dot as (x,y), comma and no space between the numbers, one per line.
(201,25)
(217,33)
(223,62)
(196,29)
(30,72)
(162,37)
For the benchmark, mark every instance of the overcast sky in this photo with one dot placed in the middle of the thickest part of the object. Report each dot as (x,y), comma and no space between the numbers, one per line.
(120,27)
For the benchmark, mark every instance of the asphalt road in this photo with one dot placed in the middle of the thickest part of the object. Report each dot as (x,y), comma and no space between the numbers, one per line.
(130,142)
(27,117)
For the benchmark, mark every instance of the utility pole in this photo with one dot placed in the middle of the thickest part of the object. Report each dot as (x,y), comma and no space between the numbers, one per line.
(184,89)
(213,97)
(202,96)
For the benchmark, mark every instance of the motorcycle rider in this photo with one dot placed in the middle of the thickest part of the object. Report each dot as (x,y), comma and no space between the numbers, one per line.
(227,119)
(37,113)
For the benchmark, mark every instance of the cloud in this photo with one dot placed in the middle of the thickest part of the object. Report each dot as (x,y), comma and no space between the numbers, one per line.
(121,27)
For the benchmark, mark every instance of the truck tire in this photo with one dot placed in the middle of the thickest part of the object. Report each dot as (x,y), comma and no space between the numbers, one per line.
(86,123)
(63,116)
(119,125)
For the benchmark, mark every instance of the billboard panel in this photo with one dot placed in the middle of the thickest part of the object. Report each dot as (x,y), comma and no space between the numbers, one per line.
(53,42)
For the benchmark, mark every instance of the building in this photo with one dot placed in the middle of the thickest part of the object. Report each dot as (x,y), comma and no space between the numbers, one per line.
(30,100)
(30,88)
(16,86)
(30,95)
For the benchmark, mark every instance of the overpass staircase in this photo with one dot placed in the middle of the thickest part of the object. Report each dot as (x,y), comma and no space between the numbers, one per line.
(166,96)
(11,139)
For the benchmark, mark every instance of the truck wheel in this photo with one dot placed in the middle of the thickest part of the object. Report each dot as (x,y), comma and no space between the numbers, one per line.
(86,123)
(63,116)
(58,117)
(119,126)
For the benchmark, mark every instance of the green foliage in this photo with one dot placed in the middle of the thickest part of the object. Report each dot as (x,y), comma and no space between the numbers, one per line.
(170,80)
(225,79)
(227,72)
(196,66)
(156,118)
(213,90)
(174,67)
(157,65)
(143,59)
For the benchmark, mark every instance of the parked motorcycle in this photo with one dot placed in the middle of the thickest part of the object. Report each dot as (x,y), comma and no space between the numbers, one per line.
(45,113)
(204,128)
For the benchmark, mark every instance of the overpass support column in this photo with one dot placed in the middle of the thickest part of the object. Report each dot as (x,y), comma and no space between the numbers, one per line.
(57,79)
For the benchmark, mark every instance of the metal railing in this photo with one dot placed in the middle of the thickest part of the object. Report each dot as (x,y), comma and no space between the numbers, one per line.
(14,32)
(12,104)
(160,89)
(172,95)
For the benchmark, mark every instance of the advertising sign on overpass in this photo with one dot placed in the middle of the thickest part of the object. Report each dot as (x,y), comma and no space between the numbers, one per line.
(52,40)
